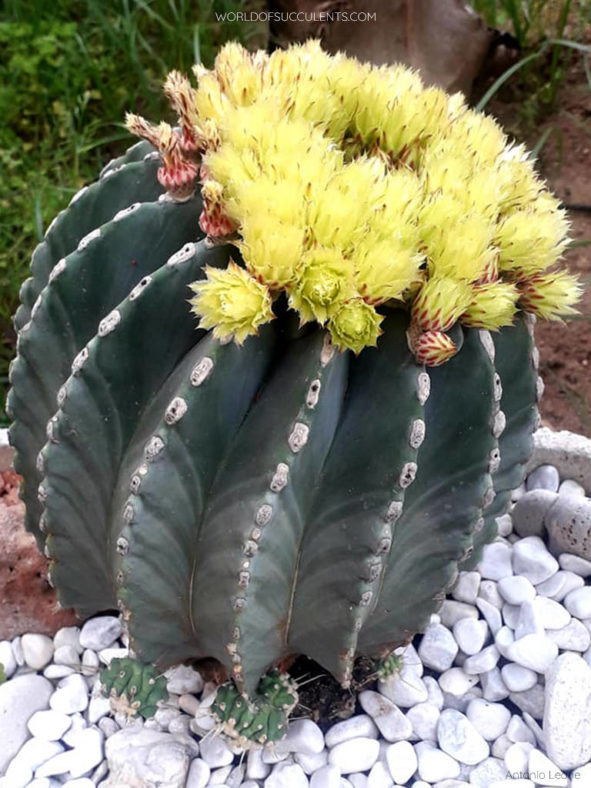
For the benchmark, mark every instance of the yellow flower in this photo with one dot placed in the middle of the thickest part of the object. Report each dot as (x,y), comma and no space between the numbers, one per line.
(272,250)
(231,302)
(238,73)
(462,248)
(355,325)
(385,268)
(550,296)
(532,239)
(324,282)
(440,303)
(493,305)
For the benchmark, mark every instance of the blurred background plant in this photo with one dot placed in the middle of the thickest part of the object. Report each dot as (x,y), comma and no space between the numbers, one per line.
(70,69)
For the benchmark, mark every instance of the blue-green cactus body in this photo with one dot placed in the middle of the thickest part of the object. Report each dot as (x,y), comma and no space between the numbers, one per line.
(248,503)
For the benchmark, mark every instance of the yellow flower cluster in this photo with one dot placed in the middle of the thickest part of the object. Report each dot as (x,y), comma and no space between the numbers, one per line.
(352,188)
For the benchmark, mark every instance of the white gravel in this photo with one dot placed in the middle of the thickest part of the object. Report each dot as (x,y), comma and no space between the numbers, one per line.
(496,693)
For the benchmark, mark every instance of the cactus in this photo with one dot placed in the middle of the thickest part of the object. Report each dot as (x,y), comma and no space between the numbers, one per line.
(260,719)
(314,486)
(133,688)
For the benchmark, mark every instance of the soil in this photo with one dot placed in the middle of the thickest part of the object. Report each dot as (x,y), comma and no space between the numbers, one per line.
(565,161)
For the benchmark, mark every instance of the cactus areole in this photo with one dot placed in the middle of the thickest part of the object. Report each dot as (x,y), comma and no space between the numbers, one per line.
(276,375)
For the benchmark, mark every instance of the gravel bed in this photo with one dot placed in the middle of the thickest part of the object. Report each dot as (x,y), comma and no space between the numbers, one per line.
(496,692)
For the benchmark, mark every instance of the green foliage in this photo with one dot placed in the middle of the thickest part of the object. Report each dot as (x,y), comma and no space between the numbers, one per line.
(132,687)
(63,99)
(389,666)
(260,718)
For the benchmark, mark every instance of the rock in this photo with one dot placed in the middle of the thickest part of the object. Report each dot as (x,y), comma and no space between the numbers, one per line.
(544,771)
(392,723)
(573,637)
(66,655)
(571,487)
(98,707)
(568,523)
(456,681)
(37,650)
(434,764)
(496,561)
(100,632)
(532,560)
(545,477)
(516,590)
(536,652)
(470,635)
(29,604)
(517,678)
(48,725)
(87,754)
(569,452)
(489,770)
(529,512)
(71,695)
(511,614)
(32,754)
(517,759)
(287,775)
(504,525)
(500,747)
(574,563)
(438,648)
(404,689)
(460,739)
(183,679)
(359,725)
(466,587)
(311,763)
(355,755)
(424,718)
(503,639)
(434,693)
(326,777)
(451,612)
(257,769)
(511,783)
(215,752)
(54,672)
(20,698)
(402,761)
(582,776)
(489,719)
(106,655)
(7,658)
(68,636)
(493,686)
(304,736)
(567,582)
(529,621)
(567,715)
(552,614)
(150,759)
(578,602)
(379,776)
(491,614)
(518,731)
(530,701)
(490,593)
(482,662)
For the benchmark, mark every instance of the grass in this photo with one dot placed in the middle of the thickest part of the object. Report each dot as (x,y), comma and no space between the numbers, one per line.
(69,70)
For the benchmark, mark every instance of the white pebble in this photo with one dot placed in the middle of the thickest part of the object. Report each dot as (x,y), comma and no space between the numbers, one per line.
(257,769)
(37,650)
(529,621)
(482,662)
(530,701)
(536,652)
(68,636)
(404,689)
(287,775)
(493,686)
(58,671)
(516,590)
(100,632)
(491,614)
(355,755)
(578,602)
(503,640)
(543,771)
(544,477)
(438,648)
(574,563)
(496,561)
(571,487)
(303,736)
(470,635)
(504,525)
(434,764)
(456,681)
(517,678)
(392,723)
(466,587)
(573,637)
(489,719)
(71,695)
(183,679)
(215,752)
(66,655)
(487,771)
(353,728)
(402,761)
(85,756)
(7,658)
(49,725)
(460,739)
(452,611)
(424,718)
(532,560)
(328,776)
(517,758)
(107,655)
(552,614)
(379,776)
(490,593)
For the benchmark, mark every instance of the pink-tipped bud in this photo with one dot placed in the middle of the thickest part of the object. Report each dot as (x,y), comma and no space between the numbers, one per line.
(433,348)
(182,96)
(214,221)
(178,174)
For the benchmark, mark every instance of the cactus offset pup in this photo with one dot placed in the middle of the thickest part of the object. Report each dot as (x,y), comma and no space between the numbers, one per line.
(276,374)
